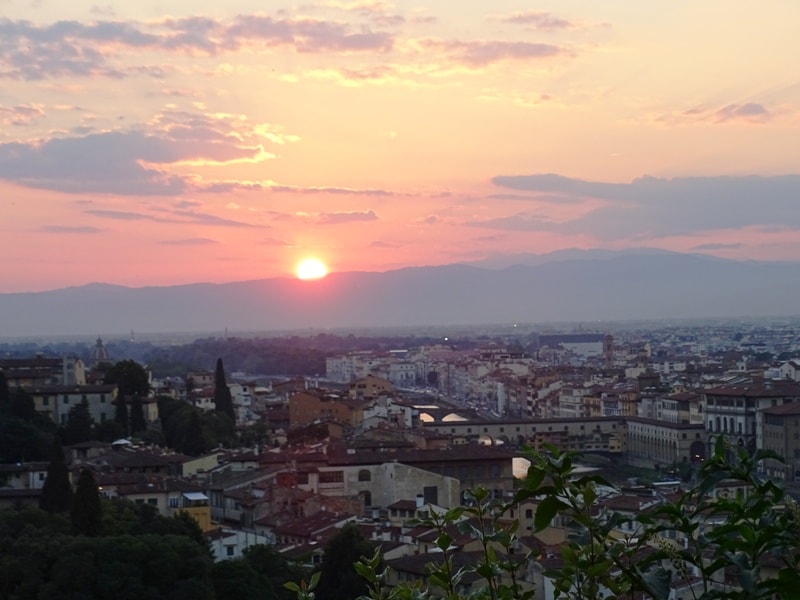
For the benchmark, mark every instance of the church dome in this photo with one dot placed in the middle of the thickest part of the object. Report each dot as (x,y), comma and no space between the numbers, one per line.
(100,354)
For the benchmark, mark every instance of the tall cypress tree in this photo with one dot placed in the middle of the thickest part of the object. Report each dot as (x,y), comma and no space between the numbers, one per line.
(121,413)
(57,491)
(137,420)
(87,511)
(223,401)
(193,443)
(79,424)
(5,393)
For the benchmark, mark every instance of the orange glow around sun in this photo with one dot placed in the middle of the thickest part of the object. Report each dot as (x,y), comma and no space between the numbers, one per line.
(311,268)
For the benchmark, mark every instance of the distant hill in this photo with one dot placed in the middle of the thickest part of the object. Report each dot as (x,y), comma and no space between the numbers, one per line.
(582,286)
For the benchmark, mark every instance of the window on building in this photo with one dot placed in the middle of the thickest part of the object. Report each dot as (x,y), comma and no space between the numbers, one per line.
(153,501)
(174,502)
(331,477)
(364,475)
(45,401)
(229,550)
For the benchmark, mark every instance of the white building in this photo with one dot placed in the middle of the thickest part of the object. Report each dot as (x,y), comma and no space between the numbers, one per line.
(230,544)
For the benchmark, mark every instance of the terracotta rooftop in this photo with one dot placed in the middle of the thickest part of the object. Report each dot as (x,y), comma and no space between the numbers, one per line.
(309,526)
(790,408)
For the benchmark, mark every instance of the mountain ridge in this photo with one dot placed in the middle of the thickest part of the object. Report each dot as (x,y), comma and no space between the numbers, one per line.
(627,286)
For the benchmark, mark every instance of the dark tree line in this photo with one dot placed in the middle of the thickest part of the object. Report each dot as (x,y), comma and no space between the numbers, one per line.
(49,557)
(288,356)
(136,554)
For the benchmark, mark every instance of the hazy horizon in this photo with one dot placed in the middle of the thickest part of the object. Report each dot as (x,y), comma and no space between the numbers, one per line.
(627,286)
(495,262)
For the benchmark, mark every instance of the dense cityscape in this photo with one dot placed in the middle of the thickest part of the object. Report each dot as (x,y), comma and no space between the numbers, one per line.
(392,428)
(382,300)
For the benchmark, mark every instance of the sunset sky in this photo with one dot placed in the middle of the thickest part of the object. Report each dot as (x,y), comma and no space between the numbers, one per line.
(159,143)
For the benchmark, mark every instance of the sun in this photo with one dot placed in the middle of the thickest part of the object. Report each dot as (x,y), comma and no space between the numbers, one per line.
(311,268)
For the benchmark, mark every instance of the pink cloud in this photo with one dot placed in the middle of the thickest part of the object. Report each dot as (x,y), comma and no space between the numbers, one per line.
(190,242)
(748,112)
(21,114)
(137,161)
(72,49)
(482,53)
(539,20)
(337,218)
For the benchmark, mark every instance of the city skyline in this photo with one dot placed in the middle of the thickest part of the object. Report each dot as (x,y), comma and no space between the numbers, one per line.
(151,145)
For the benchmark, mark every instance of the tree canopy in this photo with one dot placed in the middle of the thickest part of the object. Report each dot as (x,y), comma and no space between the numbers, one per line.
(338,578)
(180,429)
(138,554)
(130,378)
